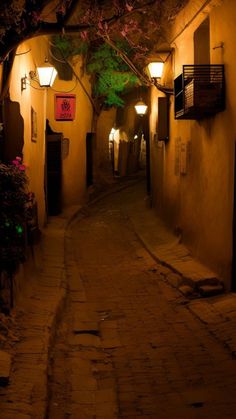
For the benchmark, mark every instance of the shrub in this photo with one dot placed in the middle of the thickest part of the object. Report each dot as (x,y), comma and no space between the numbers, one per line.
(13,199)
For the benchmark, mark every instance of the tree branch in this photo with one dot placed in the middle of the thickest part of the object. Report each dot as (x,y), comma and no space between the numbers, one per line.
(144,79)
(70,10)
(12,40)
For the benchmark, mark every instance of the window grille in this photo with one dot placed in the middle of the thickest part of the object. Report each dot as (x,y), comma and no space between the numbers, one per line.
(199,91)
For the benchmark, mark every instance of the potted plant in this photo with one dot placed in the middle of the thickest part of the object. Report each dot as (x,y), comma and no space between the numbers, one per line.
(13,199)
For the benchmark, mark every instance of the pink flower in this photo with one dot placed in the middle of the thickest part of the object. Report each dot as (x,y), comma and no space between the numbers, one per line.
(128,7)
(100,25)
(22,167)
(84,34)
(15,162)
(18,158)
(36,17)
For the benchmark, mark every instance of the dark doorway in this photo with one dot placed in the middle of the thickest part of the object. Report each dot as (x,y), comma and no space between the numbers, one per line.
(13,140)
(234,230)
(53,173)
(89,158)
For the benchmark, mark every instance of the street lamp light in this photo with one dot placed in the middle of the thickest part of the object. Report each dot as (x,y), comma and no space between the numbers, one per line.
(156,69)
(140,108)
(46,75)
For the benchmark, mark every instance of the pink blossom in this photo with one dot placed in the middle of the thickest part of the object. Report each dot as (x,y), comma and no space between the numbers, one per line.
(22,167)
(18,158)
(100,25)
(84,34)
(128,7)
(15,162)
(36,17)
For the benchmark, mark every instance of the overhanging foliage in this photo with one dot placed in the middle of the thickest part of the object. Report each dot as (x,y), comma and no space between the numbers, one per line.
(110,75)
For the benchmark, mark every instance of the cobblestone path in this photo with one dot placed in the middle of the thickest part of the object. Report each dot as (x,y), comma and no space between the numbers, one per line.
(129,347)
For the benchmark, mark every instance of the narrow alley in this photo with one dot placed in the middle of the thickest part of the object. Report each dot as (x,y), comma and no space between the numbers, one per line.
(128,345)
(117,209)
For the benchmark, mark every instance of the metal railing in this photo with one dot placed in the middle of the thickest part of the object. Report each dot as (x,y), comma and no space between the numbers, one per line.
(199,91)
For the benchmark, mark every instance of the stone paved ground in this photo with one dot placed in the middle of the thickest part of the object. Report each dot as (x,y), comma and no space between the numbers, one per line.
(130,345)
(219,315)
(193,277)
(26,395)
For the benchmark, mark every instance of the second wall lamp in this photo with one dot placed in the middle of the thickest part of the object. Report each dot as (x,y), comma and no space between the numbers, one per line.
(141,108)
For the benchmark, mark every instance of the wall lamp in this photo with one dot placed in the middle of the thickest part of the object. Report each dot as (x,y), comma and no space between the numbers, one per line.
(44,76)
(155,70)
(140,108)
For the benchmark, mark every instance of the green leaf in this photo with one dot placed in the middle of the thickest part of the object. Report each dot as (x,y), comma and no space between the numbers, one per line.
(112,75)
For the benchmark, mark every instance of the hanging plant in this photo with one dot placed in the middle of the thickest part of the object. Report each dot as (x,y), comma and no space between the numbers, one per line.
(13,199)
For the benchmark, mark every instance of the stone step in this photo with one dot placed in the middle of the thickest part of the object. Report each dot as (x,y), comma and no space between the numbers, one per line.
(210,290)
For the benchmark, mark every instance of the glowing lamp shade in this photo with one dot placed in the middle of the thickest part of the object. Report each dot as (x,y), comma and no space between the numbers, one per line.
(141,108)
(155,69)
(46,75)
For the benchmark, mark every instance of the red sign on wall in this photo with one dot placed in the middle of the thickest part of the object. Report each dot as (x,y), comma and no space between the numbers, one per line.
(64,107)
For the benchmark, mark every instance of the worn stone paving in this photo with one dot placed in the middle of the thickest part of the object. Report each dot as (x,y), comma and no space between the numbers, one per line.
(26,395)
(219,315)
(193,278)
(131,346)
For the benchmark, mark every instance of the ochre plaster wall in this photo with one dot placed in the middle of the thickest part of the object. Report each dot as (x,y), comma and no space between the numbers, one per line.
(74,165)
(200,202)
(28,56)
